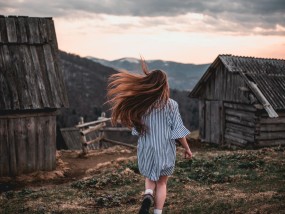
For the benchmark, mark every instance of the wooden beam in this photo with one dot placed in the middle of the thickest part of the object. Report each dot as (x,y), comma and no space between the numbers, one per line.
(92,123)
(119,143)
(115,129)
(92,129)
(96,140)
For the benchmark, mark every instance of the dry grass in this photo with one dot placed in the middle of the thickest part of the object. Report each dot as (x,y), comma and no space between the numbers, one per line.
(215,181)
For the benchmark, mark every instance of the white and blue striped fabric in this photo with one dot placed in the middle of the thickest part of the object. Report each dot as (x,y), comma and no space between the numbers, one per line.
(156,148)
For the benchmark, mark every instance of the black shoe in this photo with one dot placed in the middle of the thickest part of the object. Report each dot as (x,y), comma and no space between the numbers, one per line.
(146,204)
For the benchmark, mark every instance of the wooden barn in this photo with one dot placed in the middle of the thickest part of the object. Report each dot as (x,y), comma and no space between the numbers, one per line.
(242,101)
(31,91)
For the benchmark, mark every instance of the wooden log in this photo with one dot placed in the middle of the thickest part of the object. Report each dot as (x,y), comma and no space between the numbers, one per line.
(278,120)
(92,123)
(271,135)
(96,140)
(237,120)
(11,29)
(242,107)
(272,127)
(271,142)
(240,134)
(238,127)
(119,143)
(241,114)
(235,139)
(115,129)
(92,129)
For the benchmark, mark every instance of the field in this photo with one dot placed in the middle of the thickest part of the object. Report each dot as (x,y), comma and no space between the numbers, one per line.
(107,181)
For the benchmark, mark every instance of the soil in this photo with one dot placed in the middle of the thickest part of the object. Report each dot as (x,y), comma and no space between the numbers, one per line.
(70,166)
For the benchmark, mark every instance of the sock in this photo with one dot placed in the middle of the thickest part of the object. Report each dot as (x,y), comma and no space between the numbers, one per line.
(148,191)
(157,211)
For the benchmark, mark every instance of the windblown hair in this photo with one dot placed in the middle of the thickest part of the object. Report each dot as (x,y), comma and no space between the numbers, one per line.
(132,96)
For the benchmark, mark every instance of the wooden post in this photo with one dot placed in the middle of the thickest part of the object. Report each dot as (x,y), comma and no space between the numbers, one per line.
(83,138)
(102,134)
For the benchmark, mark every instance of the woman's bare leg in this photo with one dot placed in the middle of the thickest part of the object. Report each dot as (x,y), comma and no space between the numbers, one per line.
(161,190)
(149,184)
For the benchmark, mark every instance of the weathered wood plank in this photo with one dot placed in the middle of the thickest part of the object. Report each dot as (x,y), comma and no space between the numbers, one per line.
(43,30)
(20,146)
(3,31)
(202,119)
(272,127)
(241,114)
(22,30)
(12,148)
(92,123)
(52,132)
(92,129)
(238,127)
(51,74)
(271,142)
(30,78)
(237,120)
(33,25)
(278,120)
(271,135)
(11,29)
(40,143)
(9,75)
(240,107)
(235,139)
(31,143)
(120,143)
(208,121)
(240,134)
(39,78)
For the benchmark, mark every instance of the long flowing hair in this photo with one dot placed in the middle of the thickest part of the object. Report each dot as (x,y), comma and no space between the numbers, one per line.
(132,96)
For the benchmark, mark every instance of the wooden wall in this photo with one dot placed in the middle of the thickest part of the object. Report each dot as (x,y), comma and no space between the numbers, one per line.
(224,85)
(271,131)
(211,122)
(240,124)
(27,143)
(30,71)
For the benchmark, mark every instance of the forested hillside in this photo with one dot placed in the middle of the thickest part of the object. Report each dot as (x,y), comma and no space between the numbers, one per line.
(86,83)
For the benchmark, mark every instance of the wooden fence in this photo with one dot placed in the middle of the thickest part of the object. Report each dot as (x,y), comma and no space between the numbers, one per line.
(92,135)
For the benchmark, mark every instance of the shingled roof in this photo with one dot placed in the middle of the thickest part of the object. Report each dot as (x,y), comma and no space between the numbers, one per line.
(265,77)
(30,72)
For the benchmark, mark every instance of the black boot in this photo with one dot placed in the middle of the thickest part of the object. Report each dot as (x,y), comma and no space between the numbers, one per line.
(146,204)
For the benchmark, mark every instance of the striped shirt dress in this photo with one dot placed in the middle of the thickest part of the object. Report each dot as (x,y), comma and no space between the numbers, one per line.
(156,148)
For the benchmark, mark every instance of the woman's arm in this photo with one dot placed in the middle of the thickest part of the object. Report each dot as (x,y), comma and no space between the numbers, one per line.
(187,153)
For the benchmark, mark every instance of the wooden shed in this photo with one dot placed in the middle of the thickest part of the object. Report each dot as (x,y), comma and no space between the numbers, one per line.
(242,101)
(31,91)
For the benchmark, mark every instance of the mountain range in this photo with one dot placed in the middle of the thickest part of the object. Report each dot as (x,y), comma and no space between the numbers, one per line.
(181,76)
(86,83)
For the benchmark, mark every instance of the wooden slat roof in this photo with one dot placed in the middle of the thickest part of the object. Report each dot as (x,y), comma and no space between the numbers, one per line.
(30,72)
(267,76)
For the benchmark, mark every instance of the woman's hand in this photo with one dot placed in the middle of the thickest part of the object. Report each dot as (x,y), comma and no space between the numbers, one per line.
(188,154)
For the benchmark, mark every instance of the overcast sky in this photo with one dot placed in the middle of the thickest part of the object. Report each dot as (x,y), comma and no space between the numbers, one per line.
(190,31)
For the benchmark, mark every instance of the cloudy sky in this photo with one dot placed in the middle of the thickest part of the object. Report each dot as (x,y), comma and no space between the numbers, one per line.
(189,31)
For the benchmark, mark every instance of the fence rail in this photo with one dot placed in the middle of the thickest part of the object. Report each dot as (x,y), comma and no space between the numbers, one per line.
(94,132)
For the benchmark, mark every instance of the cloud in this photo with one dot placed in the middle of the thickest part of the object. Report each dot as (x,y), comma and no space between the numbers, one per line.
(242,16)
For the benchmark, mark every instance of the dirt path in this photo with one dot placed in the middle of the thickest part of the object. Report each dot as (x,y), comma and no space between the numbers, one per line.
(71,166)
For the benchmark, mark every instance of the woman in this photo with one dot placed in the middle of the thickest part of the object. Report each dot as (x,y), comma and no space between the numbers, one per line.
(142,103)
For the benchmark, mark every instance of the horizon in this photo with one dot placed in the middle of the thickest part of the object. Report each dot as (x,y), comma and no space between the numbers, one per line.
(191,32)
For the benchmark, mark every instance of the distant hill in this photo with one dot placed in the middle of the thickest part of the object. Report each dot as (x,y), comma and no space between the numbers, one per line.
(181,76)
(86,83)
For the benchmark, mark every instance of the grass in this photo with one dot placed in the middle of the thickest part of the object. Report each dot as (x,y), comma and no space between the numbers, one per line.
(215,181)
